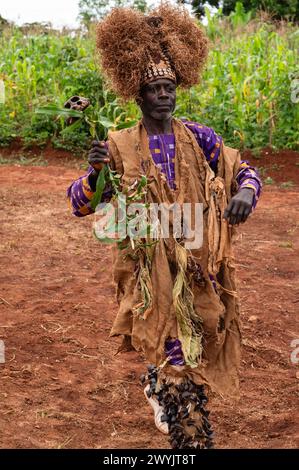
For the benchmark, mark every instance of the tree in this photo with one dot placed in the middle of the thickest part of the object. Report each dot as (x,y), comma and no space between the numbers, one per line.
(288,9)
(198,6)
(280,9)
(94,10)
(3,22)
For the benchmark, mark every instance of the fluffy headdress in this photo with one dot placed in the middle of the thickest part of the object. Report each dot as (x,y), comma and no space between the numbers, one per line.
(129,41)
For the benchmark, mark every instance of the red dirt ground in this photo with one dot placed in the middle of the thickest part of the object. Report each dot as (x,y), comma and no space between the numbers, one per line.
(62,385)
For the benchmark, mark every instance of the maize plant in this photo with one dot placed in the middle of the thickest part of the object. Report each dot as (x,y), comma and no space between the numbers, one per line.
(247,92)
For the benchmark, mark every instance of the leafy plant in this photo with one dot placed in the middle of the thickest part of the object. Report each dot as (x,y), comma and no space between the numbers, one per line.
(268,180)
(245,93)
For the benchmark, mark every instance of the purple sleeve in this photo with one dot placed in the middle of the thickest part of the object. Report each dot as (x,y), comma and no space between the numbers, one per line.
(80,194)
(248,177)
(210,143)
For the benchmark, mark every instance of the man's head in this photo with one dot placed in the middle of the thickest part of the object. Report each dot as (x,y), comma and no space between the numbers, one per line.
(157,99)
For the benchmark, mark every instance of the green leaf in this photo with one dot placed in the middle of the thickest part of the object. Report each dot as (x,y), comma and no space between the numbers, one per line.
(53,110)
(126,124)
(142,183)
(106,122)
(101,182)
(72,127)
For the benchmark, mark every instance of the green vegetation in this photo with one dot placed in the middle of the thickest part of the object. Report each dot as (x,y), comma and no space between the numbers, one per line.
(287,185)
(21,160)
(278,9)
(269,180)
(93,10)
(247,93)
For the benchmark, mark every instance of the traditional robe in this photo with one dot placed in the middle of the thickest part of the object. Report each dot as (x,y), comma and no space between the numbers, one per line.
(216,309)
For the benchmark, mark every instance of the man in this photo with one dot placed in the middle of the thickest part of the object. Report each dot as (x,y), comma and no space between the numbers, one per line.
(178,305)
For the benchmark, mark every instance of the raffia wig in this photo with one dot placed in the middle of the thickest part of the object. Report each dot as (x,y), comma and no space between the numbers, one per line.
(127,40)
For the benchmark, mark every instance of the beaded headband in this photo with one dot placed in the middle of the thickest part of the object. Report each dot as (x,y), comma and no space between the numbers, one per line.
(158,68)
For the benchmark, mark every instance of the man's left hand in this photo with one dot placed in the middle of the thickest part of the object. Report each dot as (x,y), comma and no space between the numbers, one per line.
(239,206)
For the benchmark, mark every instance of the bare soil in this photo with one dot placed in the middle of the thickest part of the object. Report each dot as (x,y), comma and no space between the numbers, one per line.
(62,386)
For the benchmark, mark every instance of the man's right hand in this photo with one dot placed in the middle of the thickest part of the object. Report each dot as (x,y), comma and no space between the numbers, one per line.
(98,155)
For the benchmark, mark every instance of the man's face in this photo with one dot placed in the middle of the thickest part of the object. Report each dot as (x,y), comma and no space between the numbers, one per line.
(158,99)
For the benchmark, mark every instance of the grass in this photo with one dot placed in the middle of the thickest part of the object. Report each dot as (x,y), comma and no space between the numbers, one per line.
(262,170)
(20,160)
(286,244)
(276,167)
(287,185)
(269,180)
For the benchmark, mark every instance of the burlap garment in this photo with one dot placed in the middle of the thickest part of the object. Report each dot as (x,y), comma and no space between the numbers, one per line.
(219,310)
